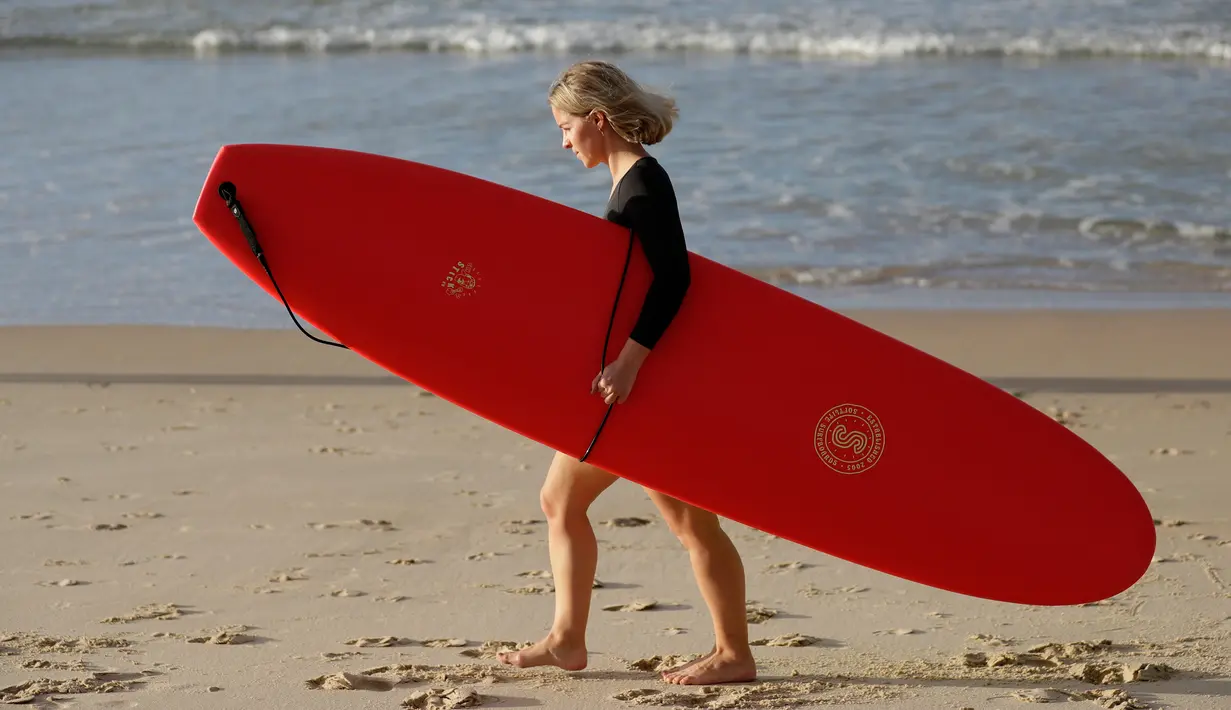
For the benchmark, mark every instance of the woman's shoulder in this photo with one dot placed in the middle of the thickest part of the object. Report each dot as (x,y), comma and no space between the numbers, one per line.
(646,178)
(644,193)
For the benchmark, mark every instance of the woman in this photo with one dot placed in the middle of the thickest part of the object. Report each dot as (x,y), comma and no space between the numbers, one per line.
(607,118)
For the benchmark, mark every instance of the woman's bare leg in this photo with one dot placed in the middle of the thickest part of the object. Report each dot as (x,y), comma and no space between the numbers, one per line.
(570,488)
(720,576)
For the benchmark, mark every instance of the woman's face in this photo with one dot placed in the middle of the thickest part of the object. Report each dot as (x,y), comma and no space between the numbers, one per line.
(582,136)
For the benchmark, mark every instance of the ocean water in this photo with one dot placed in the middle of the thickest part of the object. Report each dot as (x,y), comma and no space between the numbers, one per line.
(907,154)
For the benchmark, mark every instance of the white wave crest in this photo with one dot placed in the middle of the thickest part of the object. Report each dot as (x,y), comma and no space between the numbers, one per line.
(484,37)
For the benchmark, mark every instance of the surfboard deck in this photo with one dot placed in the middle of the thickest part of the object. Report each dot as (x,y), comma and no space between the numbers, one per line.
(757,404)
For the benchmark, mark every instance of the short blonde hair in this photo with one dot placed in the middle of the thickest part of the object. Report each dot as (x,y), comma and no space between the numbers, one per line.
(634,113)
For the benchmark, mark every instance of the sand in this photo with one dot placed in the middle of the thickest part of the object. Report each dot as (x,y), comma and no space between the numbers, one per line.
(212,518)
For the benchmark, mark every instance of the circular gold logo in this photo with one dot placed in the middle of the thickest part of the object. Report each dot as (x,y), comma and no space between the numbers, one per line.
(462,280)
(849,438)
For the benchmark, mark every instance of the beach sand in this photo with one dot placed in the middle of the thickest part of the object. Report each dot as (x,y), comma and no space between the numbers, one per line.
(211,518)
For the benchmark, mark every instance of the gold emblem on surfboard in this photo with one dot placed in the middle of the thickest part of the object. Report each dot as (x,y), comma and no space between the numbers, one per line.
(849,438)
(463,280)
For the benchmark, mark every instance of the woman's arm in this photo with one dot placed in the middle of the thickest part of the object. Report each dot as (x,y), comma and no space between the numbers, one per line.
(658,228)
(662,240)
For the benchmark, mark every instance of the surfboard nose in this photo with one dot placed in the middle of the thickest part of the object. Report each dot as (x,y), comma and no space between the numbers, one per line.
(207,200)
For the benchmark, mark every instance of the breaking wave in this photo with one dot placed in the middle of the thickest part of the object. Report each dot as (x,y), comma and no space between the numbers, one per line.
(1201,42)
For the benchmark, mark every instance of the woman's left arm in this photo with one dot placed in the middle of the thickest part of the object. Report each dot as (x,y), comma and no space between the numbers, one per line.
(662,240)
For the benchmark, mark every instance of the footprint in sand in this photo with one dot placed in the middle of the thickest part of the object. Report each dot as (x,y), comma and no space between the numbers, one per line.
(521,527)
(160,612)
(340,450)
(631,522)
(1116,673)
(1170,523)
(489,649)
(779,694)
(361,524)
(295,574)
(39,664)
(1183,557)
(31,691)
(531,589)
(1170,451)
(142,515)
(64,583)
(380,642)
(225,636)
(788,641)
(1044,655)
(340,593)
(546,574)
(349,681)
(639,605)
(444,643)
(32,516)
(1064,416)
(758,614)
(814,591)
(444,698)
(659,663)
(340,655)
(25,643)
(989,640)
(781,567)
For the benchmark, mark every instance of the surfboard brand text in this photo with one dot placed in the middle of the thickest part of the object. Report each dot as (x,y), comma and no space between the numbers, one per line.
(849,438)
(462,280)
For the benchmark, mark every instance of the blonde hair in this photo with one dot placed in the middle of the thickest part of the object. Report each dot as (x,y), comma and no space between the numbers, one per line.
(635,114)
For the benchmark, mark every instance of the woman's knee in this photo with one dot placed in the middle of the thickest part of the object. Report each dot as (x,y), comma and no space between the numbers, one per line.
(571,487)
(554,501)
(692,525)
(698,528)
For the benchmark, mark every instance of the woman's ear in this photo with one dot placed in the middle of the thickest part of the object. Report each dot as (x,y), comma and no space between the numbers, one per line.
(600,120)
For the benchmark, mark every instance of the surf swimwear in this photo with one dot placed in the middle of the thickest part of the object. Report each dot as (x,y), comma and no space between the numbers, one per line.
(644,201)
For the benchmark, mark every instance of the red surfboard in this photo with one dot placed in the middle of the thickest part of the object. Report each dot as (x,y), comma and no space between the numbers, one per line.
(756,404)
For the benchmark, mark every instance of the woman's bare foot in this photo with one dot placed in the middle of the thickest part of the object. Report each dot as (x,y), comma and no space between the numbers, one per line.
(551,651)
(689,664)
(717,667)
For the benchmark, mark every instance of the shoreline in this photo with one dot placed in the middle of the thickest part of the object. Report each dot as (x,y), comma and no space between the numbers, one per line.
(1057,350)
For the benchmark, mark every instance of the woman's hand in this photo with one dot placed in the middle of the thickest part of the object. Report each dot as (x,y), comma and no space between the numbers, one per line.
(616,380)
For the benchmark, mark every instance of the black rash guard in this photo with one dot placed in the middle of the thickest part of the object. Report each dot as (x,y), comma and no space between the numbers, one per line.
(644,201)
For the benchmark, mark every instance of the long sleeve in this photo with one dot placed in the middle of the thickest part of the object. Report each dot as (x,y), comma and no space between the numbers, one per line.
(656,223)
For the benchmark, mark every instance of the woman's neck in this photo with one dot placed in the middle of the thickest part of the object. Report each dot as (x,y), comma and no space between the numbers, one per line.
(621,160)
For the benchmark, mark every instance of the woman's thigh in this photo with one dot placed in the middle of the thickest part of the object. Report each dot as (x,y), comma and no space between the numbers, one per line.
(684,519)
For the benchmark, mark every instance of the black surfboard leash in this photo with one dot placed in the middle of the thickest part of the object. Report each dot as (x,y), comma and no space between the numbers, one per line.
(602,365)
(229,194)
